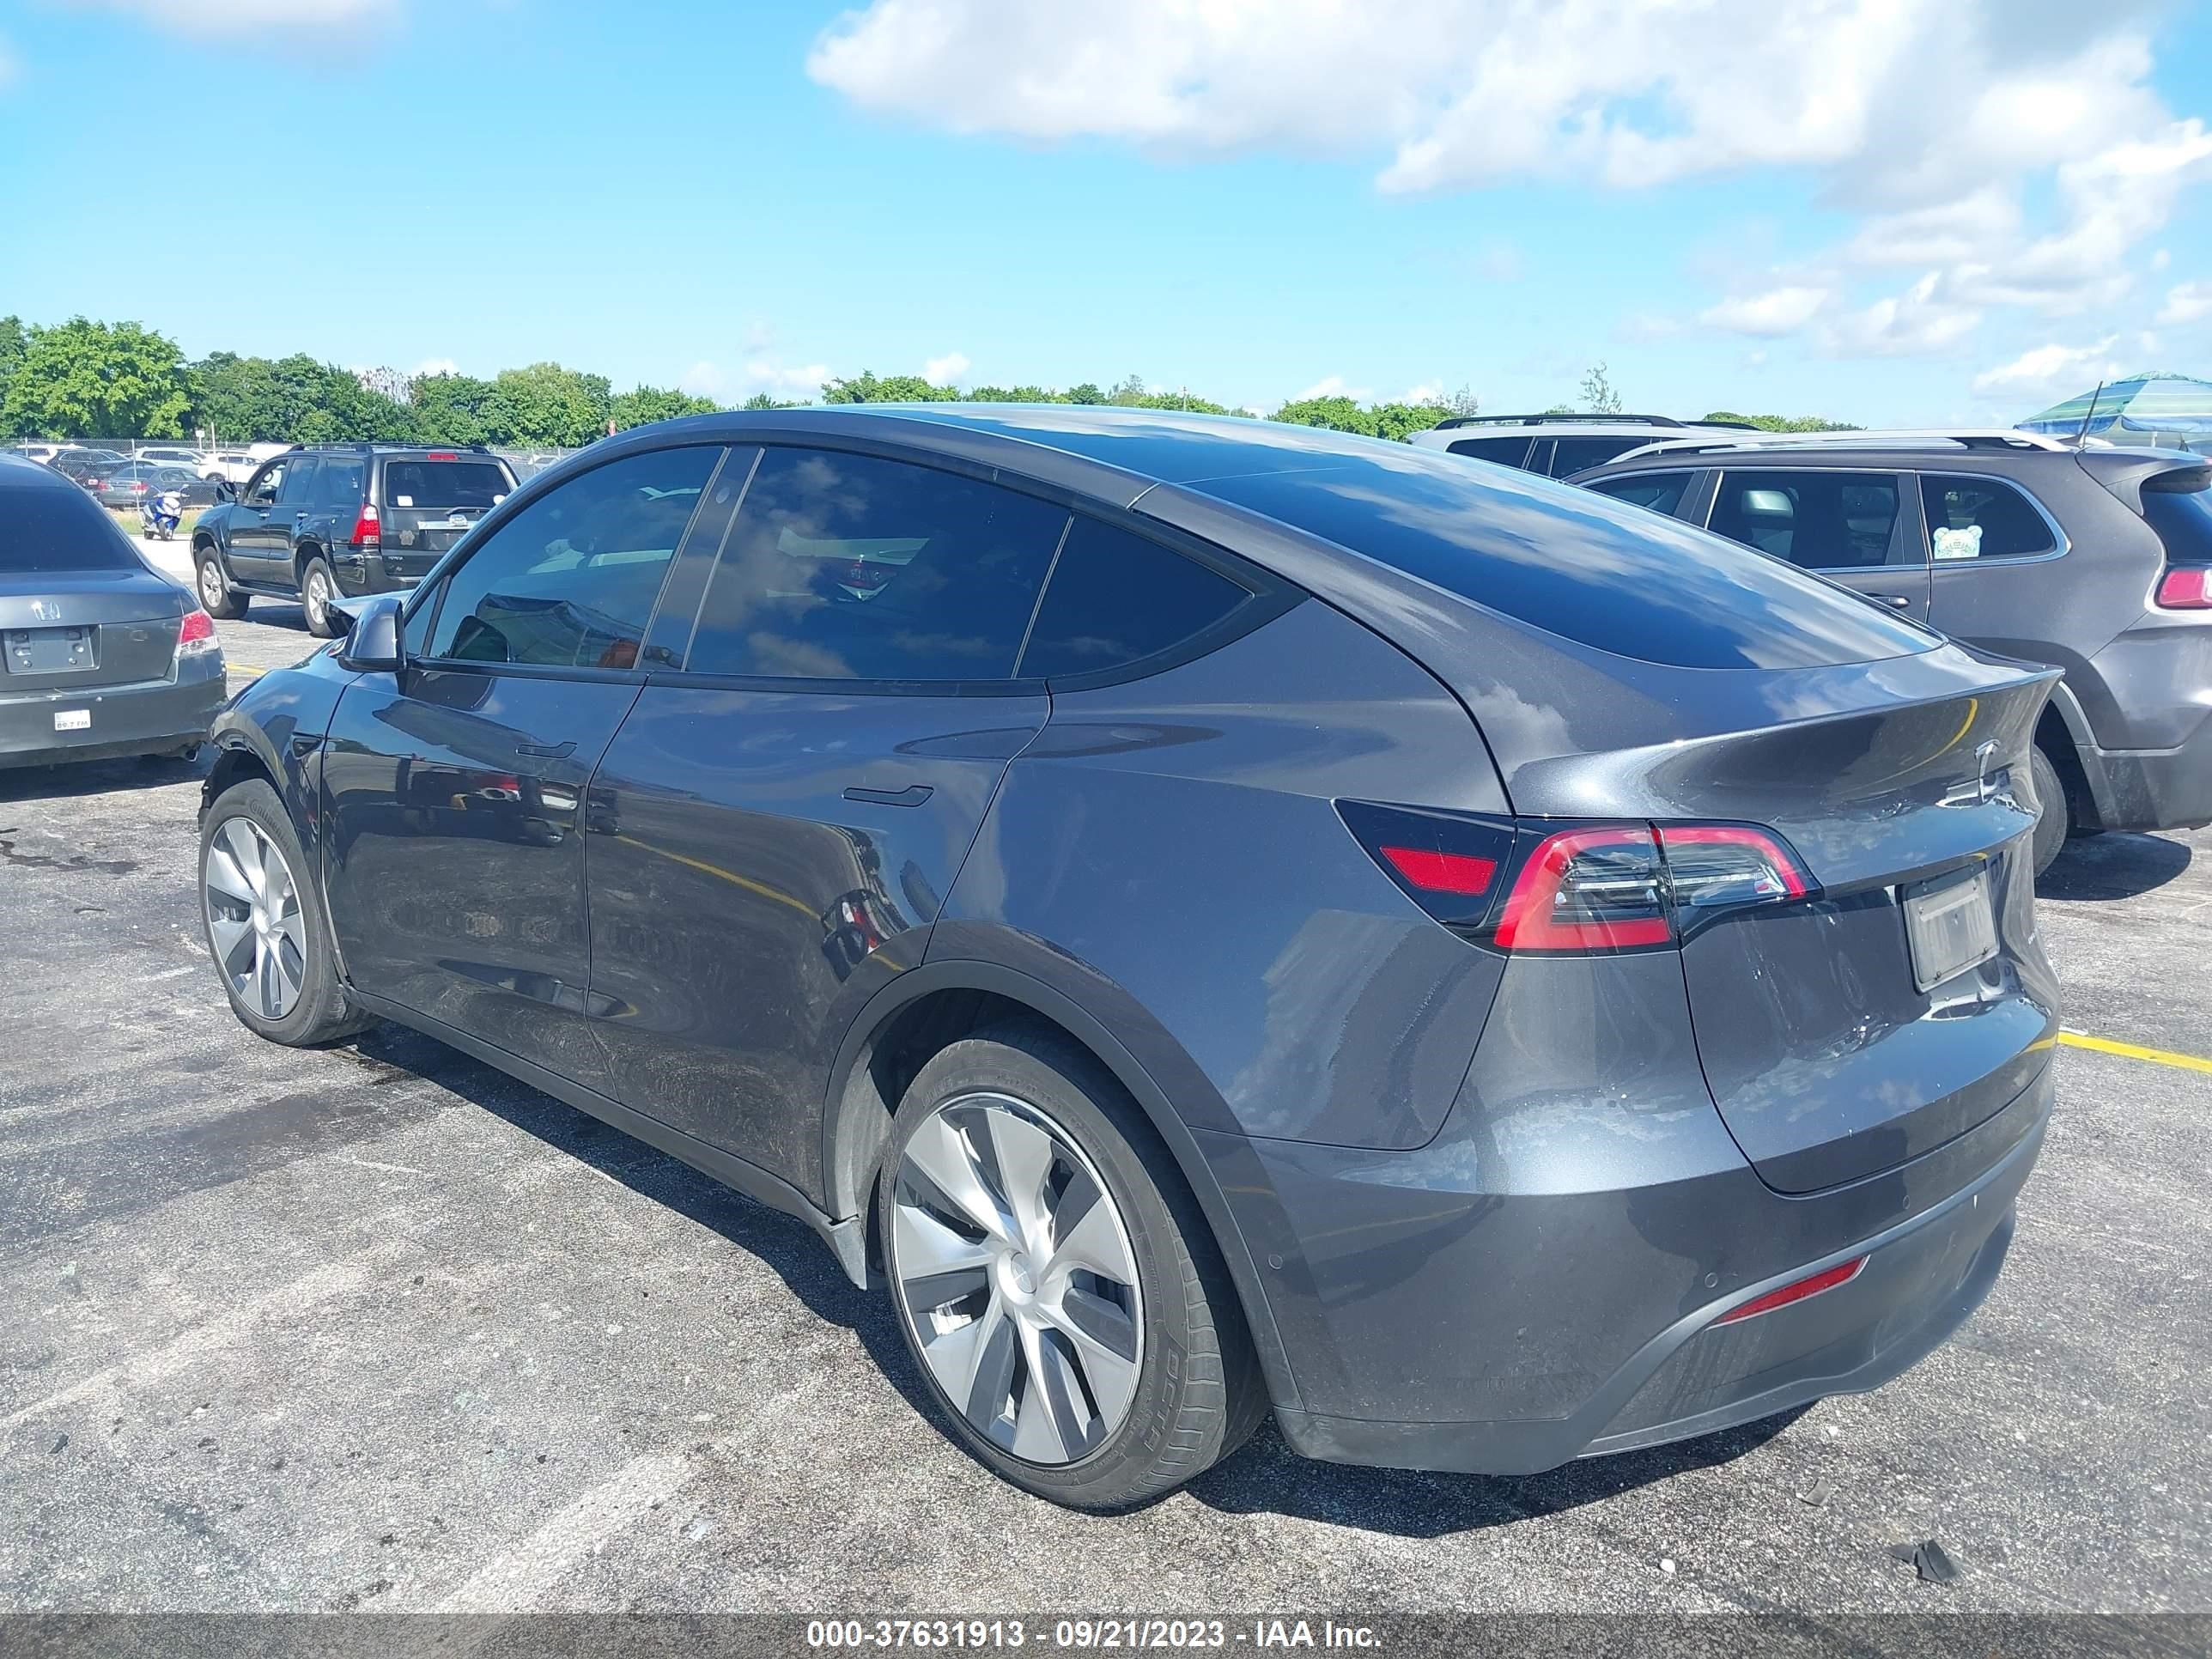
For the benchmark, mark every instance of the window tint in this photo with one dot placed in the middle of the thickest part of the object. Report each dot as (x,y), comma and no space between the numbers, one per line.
(341,482)
(2179,507)
(299,485)
(444,483)
(415,635)
(846,566)
(1572,562)
(570,581)
(1820,520)
(50,526)
(1506,452)
(1660,492)
(1114,598)
(1982,518)
(262,488)
(1570,455)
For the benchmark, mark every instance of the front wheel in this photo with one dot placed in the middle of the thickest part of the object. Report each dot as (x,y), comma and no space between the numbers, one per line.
(1055,1279)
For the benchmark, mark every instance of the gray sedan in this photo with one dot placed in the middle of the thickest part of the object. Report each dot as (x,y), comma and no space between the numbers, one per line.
(100,654)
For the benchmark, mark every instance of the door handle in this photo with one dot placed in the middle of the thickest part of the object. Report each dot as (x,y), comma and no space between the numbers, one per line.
(1896,601)
(547,751)
(913,795)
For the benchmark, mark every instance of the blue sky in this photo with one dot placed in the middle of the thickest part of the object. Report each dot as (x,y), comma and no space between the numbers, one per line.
(1896,214)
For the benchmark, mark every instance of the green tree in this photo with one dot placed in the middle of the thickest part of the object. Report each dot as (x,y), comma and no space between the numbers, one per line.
(1463,402)
(868,387)
(85,379)
(761,400)
(1402,420)
(1598,395)
(453,409)
(1785,423)
(648,403)
(546,404)
(1088,392)
(1338,414)
(14,342)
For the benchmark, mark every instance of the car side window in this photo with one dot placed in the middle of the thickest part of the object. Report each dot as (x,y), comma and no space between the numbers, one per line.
(343,482)
(415,634)
(261,489)
(843,567)
(1114,598)
(571,580)
(1506,452)
(298,489)
(1572,455)
(1982,518)
(1817,520)
(1661,492)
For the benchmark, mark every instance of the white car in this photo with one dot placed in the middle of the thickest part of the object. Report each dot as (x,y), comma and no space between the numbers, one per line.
(191,459)
(1560,445)
(35,452)
(228,465)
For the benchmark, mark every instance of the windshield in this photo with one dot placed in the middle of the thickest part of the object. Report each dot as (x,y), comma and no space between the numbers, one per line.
(43,527)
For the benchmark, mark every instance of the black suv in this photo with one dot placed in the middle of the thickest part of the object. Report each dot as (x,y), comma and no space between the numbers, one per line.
(2095,561)
(332,519)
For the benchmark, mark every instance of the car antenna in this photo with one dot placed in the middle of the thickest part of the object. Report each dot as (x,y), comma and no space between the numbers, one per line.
(2082,438)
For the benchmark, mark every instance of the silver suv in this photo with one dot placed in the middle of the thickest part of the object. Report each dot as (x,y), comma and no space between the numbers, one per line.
(1559,445)
(2098,561)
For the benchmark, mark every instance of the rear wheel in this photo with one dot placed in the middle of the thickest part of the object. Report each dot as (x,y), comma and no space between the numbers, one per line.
(1054,1281)
(2057,822)
(215,593)
(266,927)
(317,587)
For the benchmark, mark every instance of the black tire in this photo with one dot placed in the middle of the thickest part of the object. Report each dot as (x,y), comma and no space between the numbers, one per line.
(319,586)
(322,1013)
(1199,1394)
(213,588)
(2057,822)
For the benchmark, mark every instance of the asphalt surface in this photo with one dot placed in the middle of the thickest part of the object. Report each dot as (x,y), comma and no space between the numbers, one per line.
(377,1328)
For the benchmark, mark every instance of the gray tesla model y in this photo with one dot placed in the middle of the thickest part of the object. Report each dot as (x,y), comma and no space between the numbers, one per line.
(1214,917)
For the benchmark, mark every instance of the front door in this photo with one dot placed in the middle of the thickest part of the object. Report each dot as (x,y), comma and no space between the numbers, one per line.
(455,788)
(1860,529)
(260,542)
(776,827)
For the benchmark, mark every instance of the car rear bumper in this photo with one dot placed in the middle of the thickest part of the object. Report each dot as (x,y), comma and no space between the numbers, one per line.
(144,718)
(2152,788)
(1431,1325)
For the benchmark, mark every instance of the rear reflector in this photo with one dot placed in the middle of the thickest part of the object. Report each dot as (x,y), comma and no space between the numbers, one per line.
(2186,587)
(1827,1280)
(1442,872)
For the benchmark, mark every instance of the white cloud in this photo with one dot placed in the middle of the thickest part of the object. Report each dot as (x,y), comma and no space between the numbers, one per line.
(2051,369)
(2189,303)
(1333,385)
(1922,320)
(1429,391)
(1770,315)
(709,379)
(945,370)
(235,16)
(2161,260)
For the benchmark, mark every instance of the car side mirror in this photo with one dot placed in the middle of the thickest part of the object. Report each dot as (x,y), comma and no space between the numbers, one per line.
(372,642)
(225,491)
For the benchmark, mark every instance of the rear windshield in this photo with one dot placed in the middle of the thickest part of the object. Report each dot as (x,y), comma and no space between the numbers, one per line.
(45,528)
(1572,562)
(2179,506)
(444,483)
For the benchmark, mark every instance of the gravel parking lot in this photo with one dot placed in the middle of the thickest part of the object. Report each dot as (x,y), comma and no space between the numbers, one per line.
(377,1328)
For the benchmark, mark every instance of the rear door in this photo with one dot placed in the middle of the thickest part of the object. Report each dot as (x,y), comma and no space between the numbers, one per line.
(1992,545)
(428,502)
(777,826)
(454,788)
(1860,529)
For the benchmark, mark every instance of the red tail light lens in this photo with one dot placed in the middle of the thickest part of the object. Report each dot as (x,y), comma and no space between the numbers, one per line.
(1588,890)
(1450,864)
(2186,587)
(367,526)
(1458,874)
(1827,1280)
(195,634)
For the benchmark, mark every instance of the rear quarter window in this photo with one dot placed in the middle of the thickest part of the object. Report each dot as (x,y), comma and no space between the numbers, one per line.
(45,529)
(1576,565)
(2179,507)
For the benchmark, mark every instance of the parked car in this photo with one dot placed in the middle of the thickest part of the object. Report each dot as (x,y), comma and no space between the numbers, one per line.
(1221,915)
(340,520)
(100,654)
(1558,445)
(229,466)
(35,452)
(2093,561)
(191,460)
(125,485)
(75,461)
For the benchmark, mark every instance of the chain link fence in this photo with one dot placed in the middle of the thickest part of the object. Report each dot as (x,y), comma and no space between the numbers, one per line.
(524,462)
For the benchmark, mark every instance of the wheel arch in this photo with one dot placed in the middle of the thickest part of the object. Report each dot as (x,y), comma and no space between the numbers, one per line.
(929,1006)
(2062,732)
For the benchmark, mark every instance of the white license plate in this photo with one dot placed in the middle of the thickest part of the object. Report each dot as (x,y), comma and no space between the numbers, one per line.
(1950,930)
(72,720)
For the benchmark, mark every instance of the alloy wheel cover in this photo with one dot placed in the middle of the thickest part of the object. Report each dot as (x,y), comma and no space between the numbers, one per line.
(259,931)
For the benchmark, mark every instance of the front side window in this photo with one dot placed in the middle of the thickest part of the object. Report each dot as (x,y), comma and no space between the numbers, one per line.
(843,567)
(262,492)
(1982,518)
(1660,492)
(1817,520)
(1114,598)
(570,581)
(1506,452)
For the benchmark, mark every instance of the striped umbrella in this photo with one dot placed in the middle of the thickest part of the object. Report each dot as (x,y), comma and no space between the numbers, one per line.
(2171,410)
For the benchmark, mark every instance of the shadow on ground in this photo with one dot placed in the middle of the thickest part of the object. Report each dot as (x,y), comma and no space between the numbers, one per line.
(2107,867)
(72,779)
(1265,1477)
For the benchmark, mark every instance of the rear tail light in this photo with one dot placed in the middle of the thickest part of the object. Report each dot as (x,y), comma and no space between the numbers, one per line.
(2186,587)
(1527,886)
(368,526)
(196,635)
(1827,1280)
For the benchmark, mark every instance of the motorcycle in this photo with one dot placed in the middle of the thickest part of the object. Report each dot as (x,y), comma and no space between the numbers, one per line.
(160,515)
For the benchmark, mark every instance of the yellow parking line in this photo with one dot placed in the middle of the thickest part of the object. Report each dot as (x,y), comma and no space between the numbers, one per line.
(2131,1051)
(243,673)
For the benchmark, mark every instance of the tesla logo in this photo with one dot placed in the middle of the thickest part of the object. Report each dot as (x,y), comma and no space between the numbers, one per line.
(1985,786)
